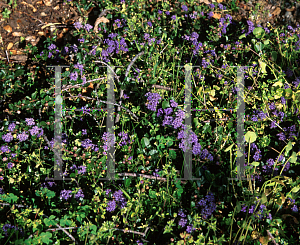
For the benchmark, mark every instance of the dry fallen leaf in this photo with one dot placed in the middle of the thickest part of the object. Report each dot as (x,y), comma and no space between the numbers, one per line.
(7,28)
(17,34)
(47,2)
(30,38)
(98,21)
(30,5)
(43,14)
(216,16)
(9,46)
(276,11)
(205,1)
(15,52)
(220,1)
(41,33)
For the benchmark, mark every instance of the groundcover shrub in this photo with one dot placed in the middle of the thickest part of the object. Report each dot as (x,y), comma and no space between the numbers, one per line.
(147,46)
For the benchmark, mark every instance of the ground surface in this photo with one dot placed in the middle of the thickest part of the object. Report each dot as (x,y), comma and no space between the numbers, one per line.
(30,21)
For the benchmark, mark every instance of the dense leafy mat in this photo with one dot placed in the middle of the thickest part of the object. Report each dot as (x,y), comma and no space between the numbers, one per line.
(147,46)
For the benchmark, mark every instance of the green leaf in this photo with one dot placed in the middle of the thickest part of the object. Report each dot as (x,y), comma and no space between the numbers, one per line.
(288,93)
(262,66)
(258,31)
(255,164)
(165,104)
(145,142)
(242,36)
(288,147)
(293,158)
(229,148)
(250,137)
(264,198)
(152,194)
(238,207)
(274,56)
(127,182)
(295,189)
(19,72)
(172,154)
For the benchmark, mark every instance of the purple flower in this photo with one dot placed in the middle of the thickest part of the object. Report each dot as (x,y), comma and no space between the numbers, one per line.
(190,228)
(210,14)
(29,121)
(181,214)
(81,40)
(173,103)
(272,106)
(34,130)
(74,48)
(82,169)
(149,23)
(79,194)
(168,111)
(52,46)
(22,137)
(7,137)
(159,11)
(221,6)
(11,127)
(84,131)
(125,96)
(153,100)
(294,208)
(88,27)
(182,222)
(167,13)
(10,165)
(5,148)
(283,100)
(65,194)
(173,17)
(77,25)
(74,76)
(107,191)
(184,8)
(111,206)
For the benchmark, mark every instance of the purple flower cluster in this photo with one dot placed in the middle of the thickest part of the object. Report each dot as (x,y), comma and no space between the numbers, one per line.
(11,127)
(207,204)
(7,137)
(250,27)
(191,140)
(10,165)
(147,38)
(193,38)
(119,200)
(48,184)
(87,143)
(9,226)
(260,213)
(183,221)
(291,131)
(5,149)
(109,140)
(79,195)
(153,100)
(268,167)
(155,173)
(124,139)
(65,194)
